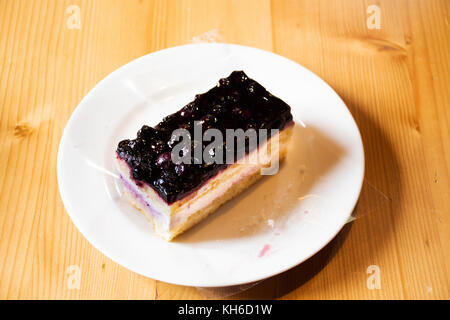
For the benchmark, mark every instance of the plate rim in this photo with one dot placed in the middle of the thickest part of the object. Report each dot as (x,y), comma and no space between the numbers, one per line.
(219,282)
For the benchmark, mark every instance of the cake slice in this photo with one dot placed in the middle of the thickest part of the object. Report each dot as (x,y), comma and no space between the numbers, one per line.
(175,194)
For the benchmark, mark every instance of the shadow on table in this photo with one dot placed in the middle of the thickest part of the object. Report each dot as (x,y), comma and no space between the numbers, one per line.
(382,167)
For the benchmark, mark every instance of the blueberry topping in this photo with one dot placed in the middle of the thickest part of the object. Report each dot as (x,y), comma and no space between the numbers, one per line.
(148,133)
(163,160)
(179,169)
(224,82)
(218,110)
(189,110)
(208,121)
(157,146)
(236,102)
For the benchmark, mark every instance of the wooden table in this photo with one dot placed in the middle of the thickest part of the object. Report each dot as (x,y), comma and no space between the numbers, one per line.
(395,80)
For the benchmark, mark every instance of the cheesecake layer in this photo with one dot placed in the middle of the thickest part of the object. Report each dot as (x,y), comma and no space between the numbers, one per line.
(169,220)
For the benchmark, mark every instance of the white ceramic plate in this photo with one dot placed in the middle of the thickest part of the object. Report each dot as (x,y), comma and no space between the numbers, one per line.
(273,226)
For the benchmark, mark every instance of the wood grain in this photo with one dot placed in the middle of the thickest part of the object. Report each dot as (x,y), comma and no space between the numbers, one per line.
(394,80)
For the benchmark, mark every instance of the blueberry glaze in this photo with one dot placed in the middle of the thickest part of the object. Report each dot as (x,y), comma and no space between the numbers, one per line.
(236,102)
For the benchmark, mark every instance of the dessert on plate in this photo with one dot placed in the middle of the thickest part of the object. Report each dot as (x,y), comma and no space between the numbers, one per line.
(175,195)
